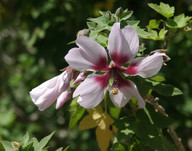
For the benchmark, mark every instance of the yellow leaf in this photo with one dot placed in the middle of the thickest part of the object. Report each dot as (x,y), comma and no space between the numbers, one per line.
(103,138)
(105,121)
(96,112)
(87,122)
(92,119)
(114,129)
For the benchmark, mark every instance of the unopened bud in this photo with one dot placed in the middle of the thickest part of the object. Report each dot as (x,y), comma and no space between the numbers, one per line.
(119,11)
(108,15)
(16,144)
(113,18)
(84,32)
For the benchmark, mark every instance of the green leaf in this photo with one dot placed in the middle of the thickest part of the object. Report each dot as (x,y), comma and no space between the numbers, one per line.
(145,130)
(77,113)
(154,24)
(142,33)
(159,120)
(29,147)
(141,48)
(61,149)
(93,34)
(25,139)
(126,15)
(133,23)
(72,42)
(179,21)
(163,9)
(91,25)
(162,34)
(167,145)
(114,112)
(67,148)
(102,40)
(43,142)
(158,79)
(155,35)
(102,20)
(144,85)
(138,130)
(8,146)
(7,117)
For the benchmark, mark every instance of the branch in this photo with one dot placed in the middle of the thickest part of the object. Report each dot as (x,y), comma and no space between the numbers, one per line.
(158,108)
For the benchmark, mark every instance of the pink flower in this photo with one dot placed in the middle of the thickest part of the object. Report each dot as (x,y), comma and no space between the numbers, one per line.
(54,89)
(123,45)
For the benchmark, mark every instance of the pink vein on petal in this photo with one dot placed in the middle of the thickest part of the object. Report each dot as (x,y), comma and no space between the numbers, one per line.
(119,59)
(101,64)
(131,70)
(103,80)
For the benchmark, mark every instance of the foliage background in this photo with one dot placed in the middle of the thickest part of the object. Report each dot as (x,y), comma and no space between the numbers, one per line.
(34,37)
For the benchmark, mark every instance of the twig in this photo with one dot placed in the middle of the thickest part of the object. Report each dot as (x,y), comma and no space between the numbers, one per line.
(158,108)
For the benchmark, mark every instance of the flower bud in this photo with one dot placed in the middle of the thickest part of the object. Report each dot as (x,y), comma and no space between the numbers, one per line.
(84,32)
(119,11)
(108,15)
(16,144)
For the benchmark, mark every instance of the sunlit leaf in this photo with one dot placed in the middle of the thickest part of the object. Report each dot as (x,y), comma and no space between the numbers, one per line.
(126,15)
(154,24)
(104,136)
(103,122)
(43,142)
(163,9)
(158,78)
(179,21)
(87,122)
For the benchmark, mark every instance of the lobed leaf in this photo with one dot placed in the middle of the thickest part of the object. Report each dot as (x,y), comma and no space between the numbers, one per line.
(163,9)
(179,21)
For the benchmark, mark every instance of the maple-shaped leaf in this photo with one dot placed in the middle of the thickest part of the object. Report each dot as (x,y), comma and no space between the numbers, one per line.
(103,122)
(163,9)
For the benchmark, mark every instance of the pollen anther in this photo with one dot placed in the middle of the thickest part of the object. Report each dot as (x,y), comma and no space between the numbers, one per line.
(114,91)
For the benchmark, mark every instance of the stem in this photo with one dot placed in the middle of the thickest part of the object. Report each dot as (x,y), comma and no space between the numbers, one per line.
(158,108)
(105,100)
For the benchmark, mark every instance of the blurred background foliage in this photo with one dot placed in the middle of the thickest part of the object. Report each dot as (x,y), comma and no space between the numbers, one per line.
(34,37)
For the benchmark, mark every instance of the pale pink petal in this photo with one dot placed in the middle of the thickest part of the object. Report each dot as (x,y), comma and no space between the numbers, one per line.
(92,90)
(118,47)
(79,78)
(126,92)
(89,55)
(63,98)
(132,38)
(45,94)
(146,66)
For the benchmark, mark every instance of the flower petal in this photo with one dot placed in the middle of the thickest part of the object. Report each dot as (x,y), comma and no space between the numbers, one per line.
(126,92)
(118,47)
(92,90)
(80,77)
(132,39)
(89,55)
(146,66)
(45,94)
(63,98)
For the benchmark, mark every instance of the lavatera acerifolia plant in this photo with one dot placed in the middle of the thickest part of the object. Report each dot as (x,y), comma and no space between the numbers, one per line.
(110,76)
